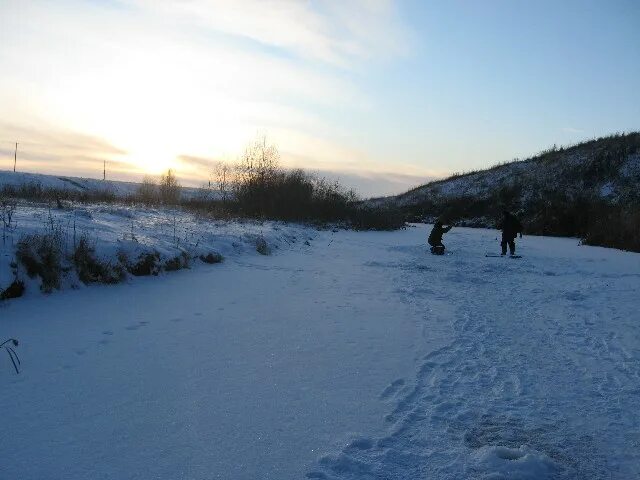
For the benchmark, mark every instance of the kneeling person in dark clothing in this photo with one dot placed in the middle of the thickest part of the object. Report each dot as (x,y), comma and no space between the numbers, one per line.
(435,237)
(511,226)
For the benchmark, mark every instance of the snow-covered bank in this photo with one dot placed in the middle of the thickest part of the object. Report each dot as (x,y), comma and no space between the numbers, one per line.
(123,233)
(242,371)
(361,357)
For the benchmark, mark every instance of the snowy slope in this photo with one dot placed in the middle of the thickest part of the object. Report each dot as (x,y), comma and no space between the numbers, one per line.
(358,357)
(608,168)
(76,184)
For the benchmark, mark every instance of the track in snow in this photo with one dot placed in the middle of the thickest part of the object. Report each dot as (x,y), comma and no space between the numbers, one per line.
(360,357)
(534,384)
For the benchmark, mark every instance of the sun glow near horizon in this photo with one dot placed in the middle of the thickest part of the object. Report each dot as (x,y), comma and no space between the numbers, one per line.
(368,89)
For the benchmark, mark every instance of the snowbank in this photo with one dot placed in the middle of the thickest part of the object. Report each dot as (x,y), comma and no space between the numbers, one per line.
(124,235)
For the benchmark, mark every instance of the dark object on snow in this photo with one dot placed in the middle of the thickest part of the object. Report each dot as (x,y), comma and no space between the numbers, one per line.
(177,263)
(510,227)
(492,255)
(15,290)
(261,246)
(438,250)
(12,353)
(211,257)
(147,264)
(435,237)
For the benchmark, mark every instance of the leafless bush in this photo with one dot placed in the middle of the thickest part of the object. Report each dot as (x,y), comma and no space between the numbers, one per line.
(211,257)
(148,190)
(177,263)
(42,256)
(147,263)
(8,208)
(169,188)
(262,247)
(92,270)
(222,174)
(14,290)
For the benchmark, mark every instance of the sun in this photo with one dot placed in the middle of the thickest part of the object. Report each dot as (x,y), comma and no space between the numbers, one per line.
(150,160)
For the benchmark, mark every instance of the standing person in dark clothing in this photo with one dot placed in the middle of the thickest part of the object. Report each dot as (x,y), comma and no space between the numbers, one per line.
(435,237)
(511,226)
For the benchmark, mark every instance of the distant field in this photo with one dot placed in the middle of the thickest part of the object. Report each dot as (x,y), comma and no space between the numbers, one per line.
(77,184)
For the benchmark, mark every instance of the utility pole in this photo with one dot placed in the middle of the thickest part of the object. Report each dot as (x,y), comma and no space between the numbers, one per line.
(104,170)
(15,158)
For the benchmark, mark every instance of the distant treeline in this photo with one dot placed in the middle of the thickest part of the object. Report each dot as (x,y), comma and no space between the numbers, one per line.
(255,187)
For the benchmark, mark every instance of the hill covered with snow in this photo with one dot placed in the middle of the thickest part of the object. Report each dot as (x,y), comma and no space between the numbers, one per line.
(23,180)
(562,191)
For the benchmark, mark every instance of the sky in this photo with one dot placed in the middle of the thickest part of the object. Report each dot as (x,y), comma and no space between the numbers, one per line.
(383,95)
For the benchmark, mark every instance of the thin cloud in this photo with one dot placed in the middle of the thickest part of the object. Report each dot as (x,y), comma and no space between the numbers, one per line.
(185,82)
(198,162)
(45,148)
(572,130)
(327,30)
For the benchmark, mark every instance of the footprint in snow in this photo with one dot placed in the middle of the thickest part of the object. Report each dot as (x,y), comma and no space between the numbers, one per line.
(107,332)
(317,475)
(575,296)
(136,326)
(177,319)
(361,443)
(392,388)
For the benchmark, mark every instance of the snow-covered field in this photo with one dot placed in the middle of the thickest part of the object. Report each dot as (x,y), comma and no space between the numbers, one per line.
(81,185)
(359,356)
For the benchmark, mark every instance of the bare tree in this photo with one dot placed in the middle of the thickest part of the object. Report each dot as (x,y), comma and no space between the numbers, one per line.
(222,173)
(169,188)
(256,173)
(259,162)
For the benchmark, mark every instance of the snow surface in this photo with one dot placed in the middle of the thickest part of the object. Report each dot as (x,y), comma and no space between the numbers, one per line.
(83,185)
(112,228)
(360,356)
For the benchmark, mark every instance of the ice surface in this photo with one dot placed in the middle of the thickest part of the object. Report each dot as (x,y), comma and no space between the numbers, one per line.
(361,356)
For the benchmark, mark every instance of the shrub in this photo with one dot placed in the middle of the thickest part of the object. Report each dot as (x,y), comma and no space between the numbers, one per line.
(614,227)
(261,246)
(42,256)
(92,270)
(15,290)
(177,263)
(148,190)
(169,188)
(147,264)
(367,218)
(8,208)
(211,257)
